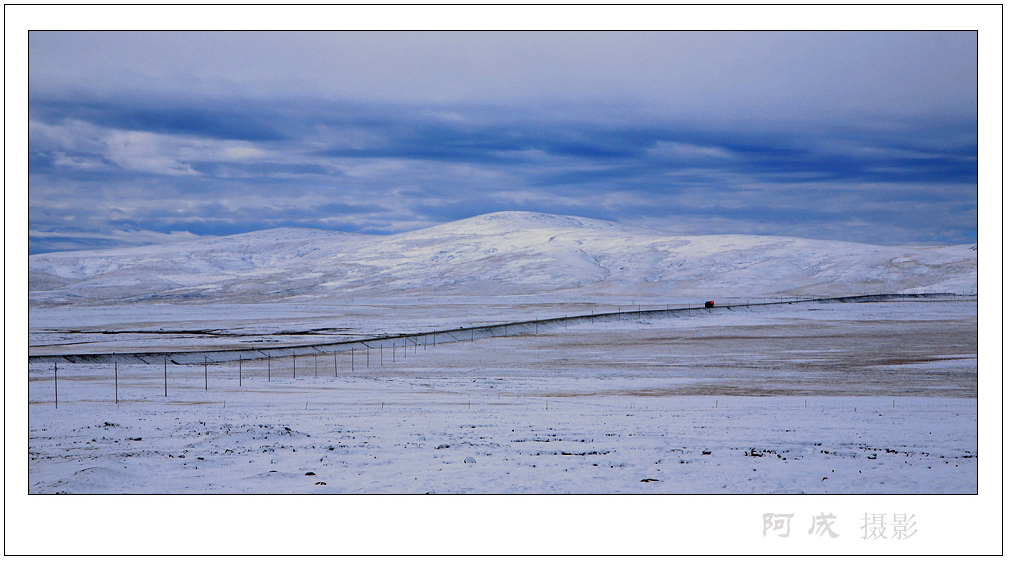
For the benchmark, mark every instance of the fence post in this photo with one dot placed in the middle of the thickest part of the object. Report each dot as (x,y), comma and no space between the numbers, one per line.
(116,367)
(352,359)
(239,370)
(56,385)
(206,385)
(316,357)
(166,376)
(336,371)
(294,365)
(267,367)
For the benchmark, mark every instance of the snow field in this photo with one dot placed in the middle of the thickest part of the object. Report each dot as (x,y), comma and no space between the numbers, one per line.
(451,435)
(853,398)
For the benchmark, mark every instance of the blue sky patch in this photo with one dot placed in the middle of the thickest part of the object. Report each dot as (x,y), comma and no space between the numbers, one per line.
(797,142)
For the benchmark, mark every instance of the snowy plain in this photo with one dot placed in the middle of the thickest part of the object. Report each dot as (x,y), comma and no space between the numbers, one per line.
(812,397)
(876,397)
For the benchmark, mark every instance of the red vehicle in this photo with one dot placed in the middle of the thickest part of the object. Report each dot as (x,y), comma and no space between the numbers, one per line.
(709,304)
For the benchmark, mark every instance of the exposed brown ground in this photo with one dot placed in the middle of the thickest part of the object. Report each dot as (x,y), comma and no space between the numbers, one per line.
(920,349)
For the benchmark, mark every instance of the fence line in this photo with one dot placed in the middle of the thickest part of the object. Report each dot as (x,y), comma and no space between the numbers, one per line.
(485,331)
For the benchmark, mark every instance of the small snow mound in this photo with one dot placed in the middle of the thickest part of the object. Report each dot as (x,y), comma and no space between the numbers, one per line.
(469,460)
(519,221)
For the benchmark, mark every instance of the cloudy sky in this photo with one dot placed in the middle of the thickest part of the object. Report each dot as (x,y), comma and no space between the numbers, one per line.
(156,136)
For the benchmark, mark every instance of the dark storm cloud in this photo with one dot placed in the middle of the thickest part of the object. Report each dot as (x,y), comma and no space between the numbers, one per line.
(211,119)
(751,133)
(563,161)
(487,144)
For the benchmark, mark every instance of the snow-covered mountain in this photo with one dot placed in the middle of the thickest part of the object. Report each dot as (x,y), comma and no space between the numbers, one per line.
(504,253)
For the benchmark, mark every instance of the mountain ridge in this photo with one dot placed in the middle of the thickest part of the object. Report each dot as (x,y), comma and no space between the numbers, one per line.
(506,253)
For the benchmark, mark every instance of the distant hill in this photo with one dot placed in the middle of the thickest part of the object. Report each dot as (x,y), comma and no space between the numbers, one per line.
(504,253)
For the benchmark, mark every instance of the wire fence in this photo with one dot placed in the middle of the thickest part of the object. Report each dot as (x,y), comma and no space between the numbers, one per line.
(363,354)
(403,343)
